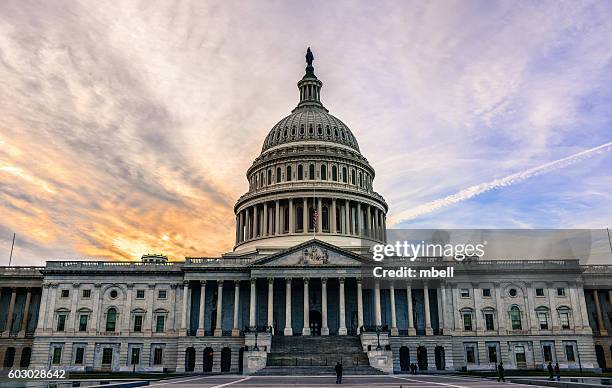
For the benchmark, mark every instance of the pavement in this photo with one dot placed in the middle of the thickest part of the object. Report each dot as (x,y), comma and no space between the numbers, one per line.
(396,381)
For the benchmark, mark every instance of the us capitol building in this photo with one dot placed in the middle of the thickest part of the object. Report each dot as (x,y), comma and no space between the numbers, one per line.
(292,296)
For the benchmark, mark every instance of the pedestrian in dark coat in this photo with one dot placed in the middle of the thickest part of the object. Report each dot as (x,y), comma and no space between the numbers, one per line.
(338,373)
(500,372)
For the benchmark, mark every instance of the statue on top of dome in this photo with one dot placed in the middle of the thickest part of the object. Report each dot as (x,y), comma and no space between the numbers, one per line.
(309,57)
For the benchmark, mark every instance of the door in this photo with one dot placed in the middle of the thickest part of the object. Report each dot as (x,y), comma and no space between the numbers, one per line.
(404,355)
(208,360)
(422,357)
(315,322)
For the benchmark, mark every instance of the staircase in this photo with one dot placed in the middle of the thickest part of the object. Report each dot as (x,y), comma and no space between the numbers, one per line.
(316,355)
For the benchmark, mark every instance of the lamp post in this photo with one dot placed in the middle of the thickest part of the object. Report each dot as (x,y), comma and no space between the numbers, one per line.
(378,328)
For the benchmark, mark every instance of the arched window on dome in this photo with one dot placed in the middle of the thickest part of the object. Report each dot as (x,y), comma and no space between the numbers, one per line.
(360,179)
(299,218)
(278,174)
(288,177)
(324,172)
(256,181)
(311,172)
(261,179)
(320,130)
(328,131)
(334,173)
(336,134)
(310,130)
(325,219)
(352,177)
(344,175)
(269,176)
(300,172)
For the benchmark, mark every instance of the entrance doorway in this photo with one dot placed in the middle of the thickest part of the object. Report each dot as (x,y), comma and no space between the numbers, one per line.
(226,359)
(439,353)
(422,357)
(315,322)
(208,360)
(404,355)
(189,360)
(601,357)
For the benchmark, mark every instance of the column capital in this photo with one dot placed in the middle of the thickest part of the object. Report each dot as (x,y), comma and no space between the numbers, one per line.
(288,280)
(97,285)
(341,280)
(306,280)
(55,285)
(237,283)
(76,285)
(324,280)
(359,280)
(253,280)
(270,280)
(46,285)
(174,286)
(203,283)
(185,283)
(220,283)
(128,285)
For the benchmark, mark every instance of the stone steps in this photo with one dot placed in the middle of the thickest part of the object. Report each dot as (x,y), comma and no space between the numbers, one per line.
(316,371)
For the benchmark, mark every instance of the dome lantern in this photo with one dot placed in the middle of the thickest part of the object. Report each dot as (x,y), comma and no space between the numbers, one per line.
(309,85)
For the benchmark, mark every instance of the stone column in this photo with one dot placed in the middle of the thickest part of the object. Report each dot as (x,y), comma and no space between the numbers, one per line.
(445,316)
(26,312)
(127,309)
(264,230)
(377,311)
(305,215)
(375,224)
(11,309)
(333,217)
(291,216)
(359,306)
(319,225)
(201,324)
(428,329)
(288,330)
(277,229)
(359,225)
(255,221)
(148,325)
(347,217)
(600,323)
(394,330)
(306,329)
(96,309)
(184,312)
(368,229)
(247,231)
(44,299)
(236,328)
(51,313)
(253,305)
(411,329)
(324,327)
(342,329)
(219,321)
(271,302)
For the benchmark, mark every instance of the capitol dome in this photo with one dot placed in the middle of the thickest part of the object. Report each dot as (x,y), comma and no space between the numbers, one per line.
(310,181)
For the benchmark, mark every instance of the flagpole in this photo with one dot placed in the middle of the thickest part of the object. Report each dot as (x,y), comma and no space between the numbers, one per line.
(12,245)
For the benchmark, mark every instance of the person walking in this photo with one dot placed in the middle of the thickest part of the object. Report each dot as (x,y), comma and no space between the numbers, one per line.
(550,371)
(558,371)
(338,373)
(500,372)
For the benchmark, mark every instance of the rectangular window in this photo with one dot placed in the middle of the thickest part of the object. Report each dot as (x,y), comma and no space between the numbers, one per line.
(489,321)
(493,354)
(83,322)
(547,349)
(61,322)
(78,357)
(57,356)
(135,356)
(470,355)
(465,292)
(569,353)
(564,318)
(138,323)
(160,323)
(467,322)
(486,292)
(543,319)
(161,294)
(140,294)
(519,351)
(158,356)
(560,291)
(65,293)
(86,293)
(107,356)
(540,292)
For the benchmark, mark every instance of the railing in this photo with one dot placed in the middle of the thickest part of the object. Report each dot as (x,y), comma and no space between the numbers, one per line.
(110,265)
(218,260)
(330,361)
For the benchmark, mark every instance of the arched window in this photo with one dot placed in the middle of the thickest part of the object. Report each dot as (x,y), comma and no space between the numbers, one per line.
(325,219)
(515,317)
(300,172)
(360,179)
(278,175)
(9,357)
(111,319)
(344,176)
(269,176)
(261,179)
(352,177)
(288,178)
(323,172)
(334,173)
(26,355)
(311,172)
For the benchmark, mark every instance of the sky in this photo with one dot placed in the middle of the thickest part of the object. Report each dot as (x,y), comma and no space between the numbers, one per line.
(127,127)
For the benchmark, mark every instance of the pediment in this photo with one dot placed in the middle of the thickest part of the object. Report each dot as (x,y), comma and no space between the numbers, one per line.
(313,253)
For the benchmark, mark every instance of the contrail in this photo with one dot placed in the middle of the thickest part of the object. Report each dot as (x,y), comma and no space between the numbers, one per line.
(475,190)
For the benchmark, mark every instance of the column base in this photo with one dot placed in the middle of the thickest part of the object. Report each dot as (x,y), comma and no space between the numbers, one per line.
(325,331)
(235,332)
(21,334)
(411,331)
(394,331)
(183,332)
(200,333)
(288,331)
(428,331)
(603,333)
(342,331)
(5,334)
(218,332)
(306,331)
